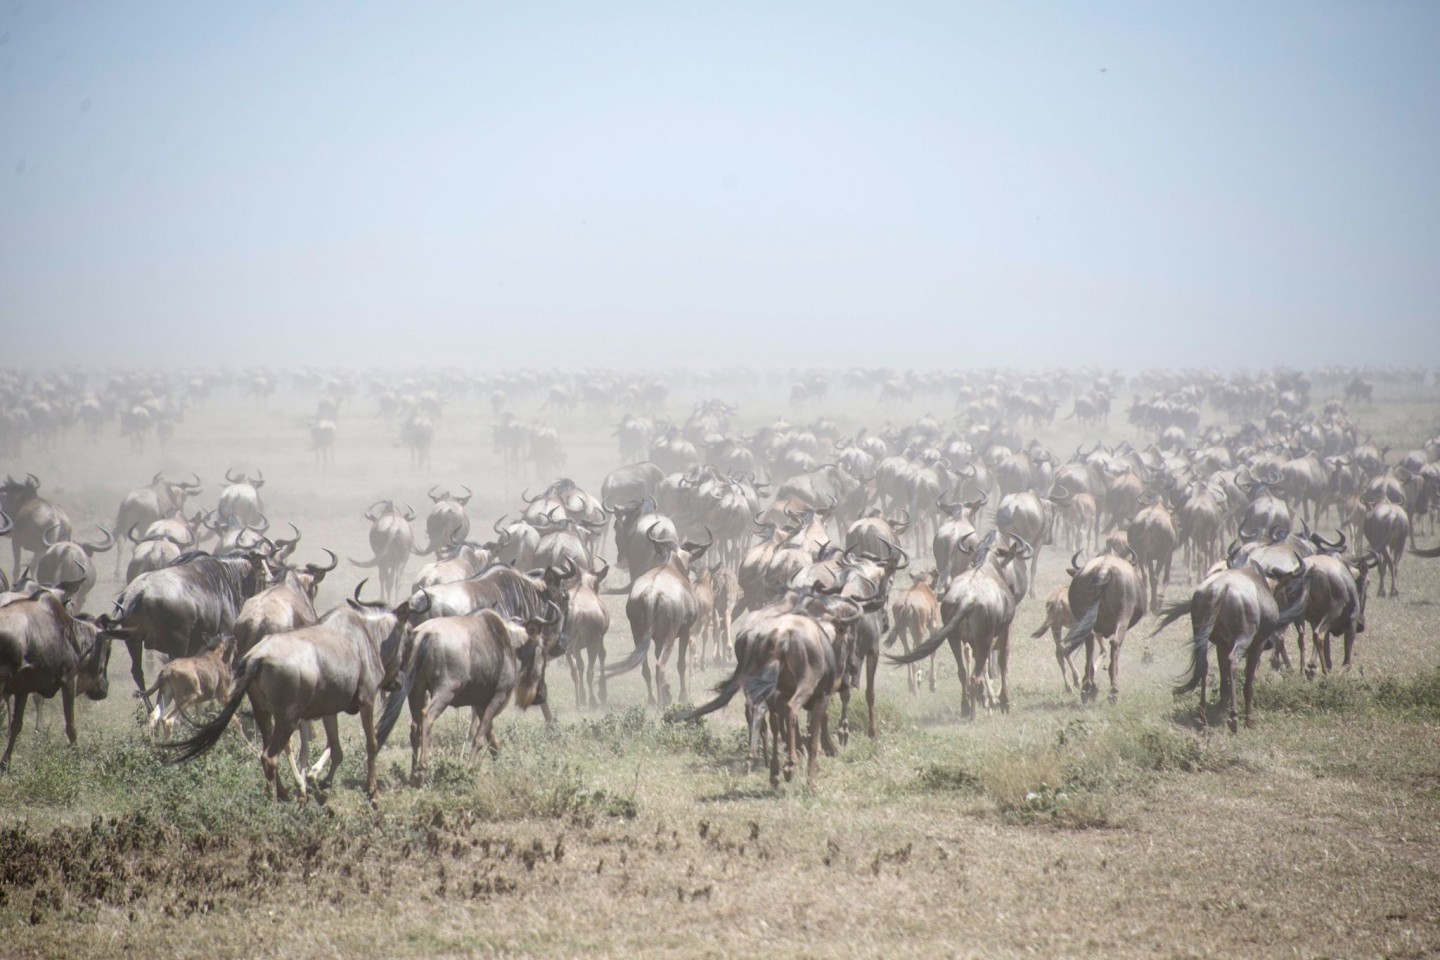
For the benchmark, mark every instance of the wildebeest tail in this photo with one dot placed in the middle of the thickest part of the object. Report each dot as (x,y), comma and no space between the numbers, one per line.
(209,735)
(932,642)
(1296,611)
(724,693)
(636,657)
(397,698)
(1084,627)
(762,686)
(1172,612)
(1199,653)
(1041,630)
(365,563)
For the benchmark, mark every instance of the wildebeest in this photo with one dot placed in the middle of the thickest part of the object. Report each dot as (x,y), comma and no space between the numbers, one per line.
(44,651)
(1151,535)
(477,661)
(391,542)
(1107,598)
(589,621)
(285,604)
(155,550)
(663,612)
(1058,618)
(1335,594)
(913,615)
(69,561)
(788,658)
(175,610)
(447,521)
(1235,610)
(976,613)
(156,500)
(240,503)
(1387,526)
(314,673)
(187,681)
(31,516)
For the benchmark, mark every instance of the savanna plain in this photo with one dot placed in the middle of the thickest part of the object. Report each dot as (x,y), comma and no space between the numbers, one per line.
(1058,829)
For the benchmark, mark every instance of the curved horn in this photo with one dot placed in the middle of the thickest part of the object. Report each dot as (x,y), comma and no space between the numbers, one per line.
(529,499)
(373,517)
(436,499)
(45,535)
(409,513)
(233,479)
(194,487)
(567,568)
(465,499)
(334,562)
(259,480)
(101,547)
(32,481)
(129,534)
(1331,546)
(1074,567)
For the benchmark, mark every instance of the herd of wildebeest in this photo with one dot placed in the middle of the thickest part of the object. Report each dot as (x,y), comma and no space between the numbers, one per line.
(777,554)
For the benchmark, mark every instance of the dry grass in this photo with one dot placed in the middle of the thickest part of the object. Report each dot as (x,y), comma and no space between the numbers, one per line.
(1056,830)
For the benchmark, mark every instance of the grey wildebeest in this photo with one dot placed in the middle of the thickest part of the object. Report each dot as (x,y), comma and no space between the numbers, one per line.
(447,521)
(45,651)
(1107,599)
(144,505)
(459,561)
(176,610)
(240,503)
(69,561)
(315,673)
(476,661)
(155,550)
(1029,517)
(976,613)
(391,543)
(951,558)
(1235,610)
(31,516)
(662,611)
(187,681)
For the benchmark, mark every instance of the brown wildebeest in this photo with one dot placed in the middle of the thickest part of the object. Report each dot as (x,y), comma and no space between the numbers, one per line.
(1107,598)
(45,651)
(587,625)
(790,656)
(189,681)
(1151,534)
(1058,618)
(1335,594)
(477,661)
(314,673)
(976,613)
(703,582)
(1387,526)
(913,615)
(1235,610)
(663,611)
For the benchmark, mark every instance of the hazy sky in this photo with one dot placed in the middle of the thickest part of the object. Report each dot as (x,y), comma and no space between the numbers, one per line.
(622,183)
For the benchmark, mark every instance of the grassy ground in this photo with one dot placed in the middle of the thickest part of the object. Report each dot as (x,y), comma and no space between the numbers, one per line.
(1056,829)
